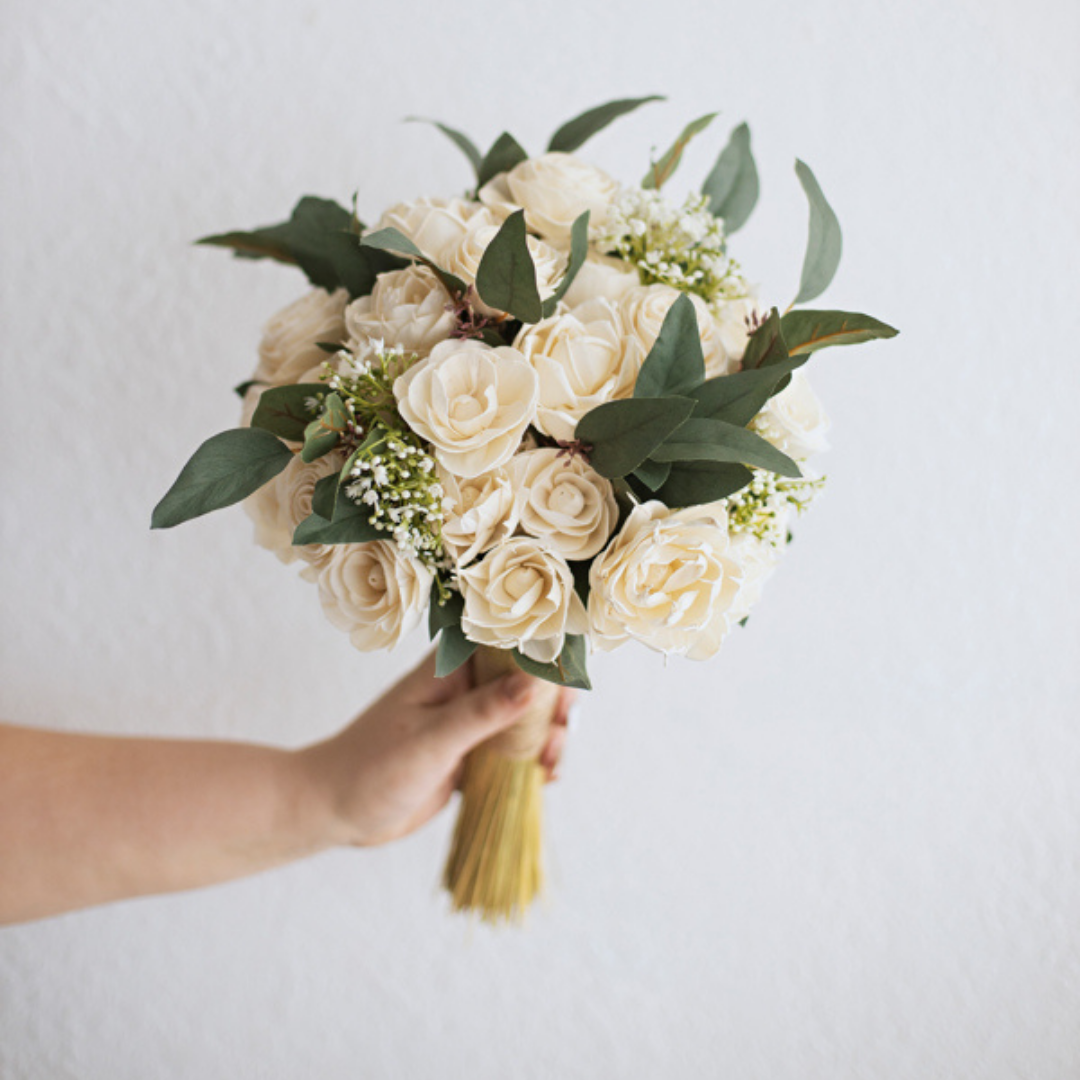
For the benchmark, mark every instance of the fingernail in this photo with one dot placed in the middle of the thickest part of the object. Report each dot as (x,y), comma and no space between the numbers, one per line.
(573,717)
(518,687)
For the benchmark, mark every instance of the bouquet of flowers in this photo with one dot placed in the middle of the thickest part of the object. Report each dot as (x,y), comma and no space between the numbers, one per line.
(551,415)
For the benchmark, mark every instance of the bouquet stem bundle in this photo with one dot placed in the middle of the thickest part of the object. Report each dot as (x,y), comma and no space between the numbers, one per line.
(495,867)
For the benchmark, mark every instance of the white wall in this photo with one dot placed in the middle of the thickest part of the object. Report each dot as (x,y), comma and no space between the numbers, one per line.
(850,846)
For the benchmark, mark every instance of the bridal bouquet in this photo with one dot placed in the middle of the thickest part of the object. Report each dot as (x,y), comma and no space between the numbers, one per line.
(551,415)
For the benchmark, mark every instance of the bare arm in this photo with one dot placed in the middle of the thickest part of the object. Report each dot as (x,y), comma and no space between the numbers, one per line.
(86,819)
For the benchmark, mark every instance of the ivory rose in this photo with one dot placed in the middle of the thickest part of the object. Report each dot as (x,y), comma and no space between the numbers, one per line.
(554,189)
(521,595)
(281,504)
(477,513)
(794,420)
(568,504)
(667,580)
(471,402)
(408,309)
(436,226)
(374,591)
(757,559)
(601,276)
(288,347)
(642,311)
(732,323)
(582,359)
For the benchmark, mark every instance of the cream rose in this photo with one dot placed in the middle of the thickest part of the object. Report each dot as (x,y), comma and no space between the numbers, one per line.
(464,261)
(374,591)
(643,309)
(794,421)
(282,503)
(436,226)
(288,346)
(667,580)
(554,189)
(582,359)
(521,595)
(478,513)
(568,504)
(408,309)
(471,402)
(601,277)
(757,559)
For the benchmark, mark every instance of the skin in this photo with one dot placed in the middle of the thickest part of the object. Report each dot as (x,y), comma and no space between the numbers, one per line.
(89,819)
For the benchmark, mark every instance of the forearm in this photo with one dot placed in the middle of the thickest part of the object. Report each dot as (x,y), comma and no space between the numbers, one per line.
(86,819)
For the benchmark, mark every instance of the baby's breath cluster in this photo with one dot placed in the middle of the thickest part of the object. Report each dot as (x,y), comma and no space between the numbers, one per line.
(761,508)
(394,475)
(683,247)
(366,383)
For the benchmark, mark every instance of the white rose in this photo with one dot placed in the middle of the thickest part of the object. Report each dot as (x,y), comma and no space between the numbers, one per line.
(288,346)
(601,277)
(794,421)
(436,226)
(471,402)
(464,261)
(757,560)
(568,503)
(407,308)
(521,595)
(644,308)
(282,503)
(668,580)
(582,359)
(374,591)
(554,189)
(477,513)
(733,324)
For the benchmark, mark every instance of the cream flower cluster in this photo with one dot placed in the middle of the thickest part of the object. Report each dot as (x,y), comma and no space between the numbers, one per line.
(476,481)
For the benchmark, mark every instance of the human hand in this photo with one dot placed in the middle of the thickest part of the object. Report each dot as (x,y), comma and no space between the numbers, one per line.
(398,763)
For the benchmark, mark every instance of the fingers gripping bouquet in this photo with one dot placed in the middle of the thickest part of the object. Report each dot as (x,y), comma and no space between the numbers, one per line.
(551,415)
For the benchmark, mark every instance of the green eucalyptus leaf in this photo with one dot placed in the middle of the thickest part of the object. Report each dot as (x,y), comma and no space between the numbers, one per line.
(397,241)
(662,170)
(695,482)
(574,133)
(225,469)
(283,410)
(766,344)
(806,331)
(506,276)
(824,242)
(462,142)
(241,389)
(579,250)
(448,613)
(675,364)
(324,497)
(569,667)
(505,153)
(624,433)
(733,186)
(350,525)
(331,347)
(738,398)
(717,440)
(453,650)
(653,474)
(320,238)
(325,431)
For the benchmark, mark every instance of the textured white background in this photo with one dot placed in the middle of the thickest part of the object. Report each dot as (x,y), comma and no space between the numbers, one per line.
(850,846)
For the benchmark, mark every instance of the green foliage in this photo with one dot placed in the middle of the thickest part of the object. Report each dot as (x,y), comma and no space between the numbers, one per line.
(506,276)
(717,440)
(505,153)
(574,133)
(396,241)
(324,497)
(319,238)
(661,170)
(348,524)
(579,250)
(766,345)
(624,433)
(694,482)
(462,142)
(732,186)
(283,410)
(225,469)
(675,364)
(568,669)
(739,397)
(241,389)
(325,431)
(806,331)
(824,242)
(653,474)
(444,614)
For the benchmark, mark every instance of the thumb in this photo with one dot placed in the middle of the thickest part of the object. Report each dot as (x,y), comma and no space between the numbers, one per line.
(472,717)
